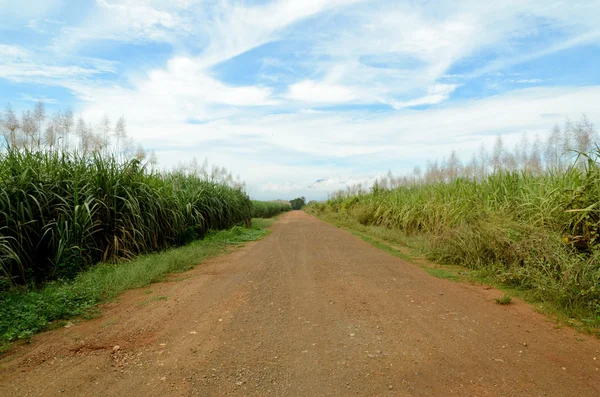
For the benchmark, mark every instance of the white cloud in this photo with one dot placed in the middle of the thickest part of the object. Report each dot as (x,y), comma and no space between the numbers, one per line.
(13,52)
(44,26)
(237,29)
(17,13)
(313,92)
(44,99)
(528,81)
(435,94)
(129,21)
(586,38)
(21,65)
(285,187)
(181,92)
(399,50)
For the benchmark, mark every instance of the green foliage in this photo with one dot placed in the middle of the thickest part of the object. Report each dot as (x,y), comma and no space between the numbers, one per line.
(537,232)
(268,209)
(24,312)
(262,223)
(61,212)
(298,203)
(505,299)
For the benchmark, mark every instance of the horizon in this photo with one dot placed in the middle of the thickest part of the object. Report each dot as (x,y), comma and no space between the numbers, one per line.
(305,98)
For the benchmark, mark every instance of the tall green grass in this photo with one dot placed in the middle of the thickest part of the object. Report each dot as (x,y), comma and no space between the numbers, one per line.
(539,232)
(61,212)
(268,209)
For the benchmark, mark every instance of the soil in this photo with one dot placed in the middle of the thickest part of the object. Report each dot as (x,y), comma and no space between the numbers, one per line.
(310,310)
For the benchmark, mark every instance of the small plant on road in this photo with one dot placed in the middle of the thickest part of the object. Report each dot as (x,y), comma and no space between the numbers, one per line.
(505,299)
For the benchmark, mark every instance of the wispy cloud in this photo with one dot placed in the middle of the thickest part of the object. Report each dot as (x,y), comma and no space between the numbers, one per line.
(44,26)
(435,94)
(285,187)
(44,99)
(22,65)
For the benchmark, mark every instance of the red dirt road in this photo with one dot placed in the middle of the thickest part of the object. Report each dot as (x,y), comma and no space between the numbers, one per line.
(308,311)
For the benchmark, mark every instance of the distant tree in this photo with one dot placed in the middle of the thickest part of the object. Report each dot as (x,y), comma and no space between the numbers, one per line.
(298,203)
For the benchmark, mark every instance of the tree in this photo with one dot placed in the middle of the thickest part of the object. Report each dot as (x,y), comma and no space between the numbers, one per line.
(298,203)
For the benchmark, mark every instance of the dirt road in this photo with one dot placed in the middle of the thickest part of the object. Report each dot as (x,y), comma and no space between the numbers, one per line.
(308,311)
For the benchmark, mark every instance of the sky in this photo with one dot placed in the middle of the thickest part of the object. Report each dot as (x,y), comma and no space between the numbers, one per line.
(303,97)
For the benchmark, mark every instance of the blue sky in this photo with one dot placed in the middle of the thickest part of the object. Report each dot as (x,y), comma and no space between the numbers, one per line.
(286,93)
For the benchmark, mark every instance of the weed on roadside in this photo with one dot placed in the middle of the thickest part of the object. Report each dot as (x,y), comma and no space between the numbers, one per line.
(505,299)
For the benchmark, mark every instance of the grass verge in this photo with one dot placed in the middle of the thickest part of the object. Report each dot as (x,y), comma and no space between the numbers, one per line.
(24,312)
(417,249)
